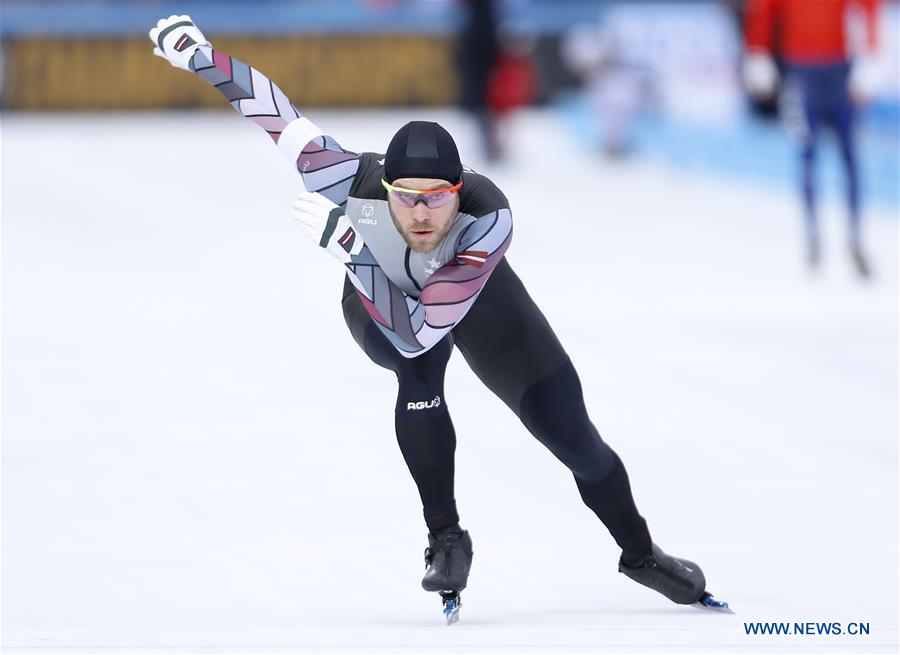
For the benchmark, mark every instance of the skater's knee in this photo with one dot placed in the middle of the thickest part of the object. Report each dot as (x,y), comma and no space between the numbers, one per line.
(553,411)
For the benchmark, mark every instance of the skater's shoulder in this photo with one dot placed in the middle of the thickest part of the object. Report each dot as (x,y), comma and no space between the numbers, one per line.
(367,183)
(479,195)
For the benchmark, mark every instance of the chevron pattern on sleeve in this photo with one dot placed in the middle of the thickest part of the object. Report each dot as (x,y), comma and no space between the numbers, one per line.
(250,92)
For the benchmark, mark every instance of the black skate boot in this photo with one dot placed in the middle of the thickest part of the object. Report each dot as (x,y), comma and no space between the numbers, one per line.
(448,558)
(861,262)
(813,254)
(679,580)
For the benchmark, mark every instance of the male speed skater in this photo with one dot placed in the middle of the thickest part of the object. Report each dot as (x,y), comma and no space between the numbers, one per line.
(422,240)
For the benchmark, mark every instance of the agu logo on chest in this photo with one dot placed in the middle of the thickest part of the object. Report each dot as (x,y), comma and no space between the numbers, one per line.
(367,211)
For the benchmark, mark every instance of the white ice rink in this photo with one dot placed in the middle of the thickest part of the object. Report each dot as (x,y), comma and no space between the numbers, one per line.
(189,463)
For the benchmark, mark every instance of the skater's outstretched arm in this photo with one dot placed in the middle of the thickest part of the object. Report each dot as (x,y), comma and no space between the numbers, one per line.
(324,166)
(412,325)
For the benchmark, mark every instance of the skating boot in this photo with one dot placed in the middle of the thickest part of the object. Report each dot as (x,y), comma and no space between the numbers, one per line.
(679,580)
(813,254)
(861,262)
(448,558)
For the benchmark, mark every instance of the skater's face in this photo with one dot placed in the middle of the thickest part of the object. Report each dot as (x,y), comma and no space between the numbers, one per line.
(421,226)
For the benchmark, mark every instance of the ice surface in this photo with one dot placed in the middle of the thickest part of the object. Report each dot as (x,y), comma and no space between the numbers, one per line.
(196,456)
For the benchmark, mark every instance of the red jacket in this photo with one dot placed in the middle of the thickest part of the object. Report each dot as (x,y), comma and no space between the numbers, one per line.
(512,84)
(808,31)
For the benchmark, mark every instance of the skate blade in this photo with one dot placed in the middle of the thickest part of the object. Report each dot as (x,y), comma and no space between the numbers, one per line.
(707,602)
(452,615)
(451,608)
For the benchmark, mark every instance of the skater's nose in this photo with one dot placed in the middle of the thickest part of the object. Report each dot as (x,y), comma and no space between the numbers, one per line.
(420,213)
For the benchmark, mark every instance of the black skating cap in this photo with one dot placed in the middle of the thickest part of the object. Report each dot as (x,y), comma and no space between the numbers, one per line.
(422,149)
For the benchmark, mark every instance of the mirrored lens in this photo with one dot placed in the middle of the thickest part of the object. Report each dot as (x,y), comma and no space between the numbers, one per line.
(438,199)
(405,199)
(431,200)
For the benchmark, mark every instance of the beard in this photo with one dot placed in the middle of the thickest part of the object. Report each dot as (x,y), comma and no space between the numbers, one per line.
(419,244)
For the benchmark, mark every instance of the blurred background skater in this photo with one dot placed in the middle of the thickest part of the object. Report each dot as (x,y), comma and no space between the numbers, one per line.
(476,53)
(616,89)
(512,84)
(827,51)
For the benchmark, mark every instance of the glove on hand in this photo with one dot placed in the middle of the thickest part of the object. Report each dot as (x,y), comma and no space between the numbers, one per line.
(326,224)
(865,78)
(760,75)
(177,39)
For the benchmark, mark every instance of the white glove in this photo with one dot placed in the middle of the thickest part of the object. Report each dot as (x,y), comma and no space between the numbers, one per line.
(327,225)
(176,39)
(760,75)
(865,78)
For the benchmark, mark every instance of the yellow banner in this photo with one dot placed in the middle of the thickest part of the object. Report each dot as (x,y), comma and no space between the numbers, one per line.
(89,73)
